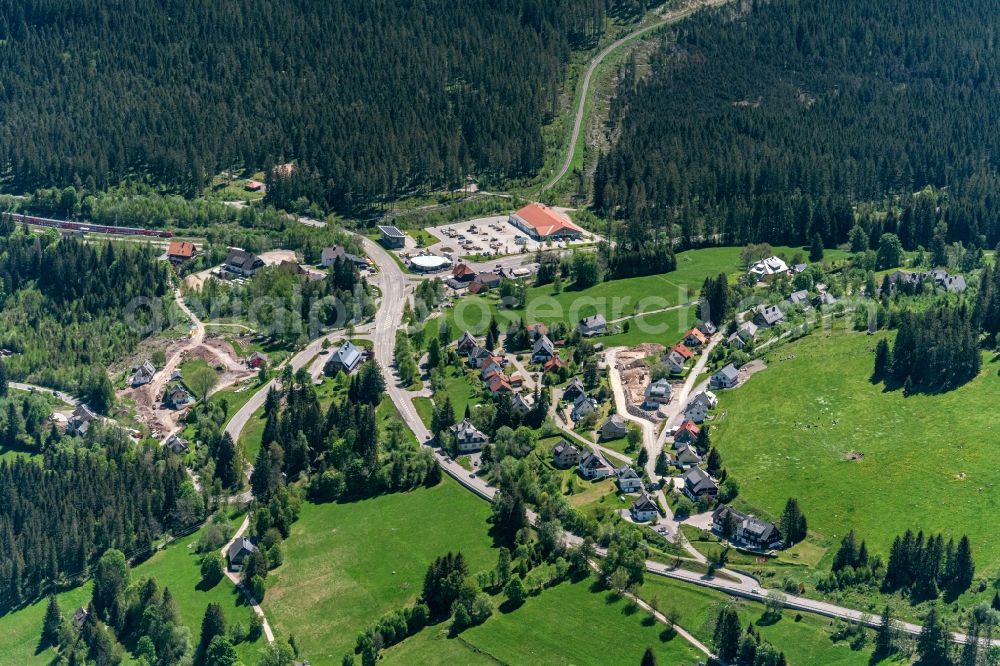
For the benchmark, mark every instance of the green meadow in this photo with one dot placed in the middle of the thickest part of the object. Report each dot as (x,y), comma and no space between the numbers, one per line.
(920,462)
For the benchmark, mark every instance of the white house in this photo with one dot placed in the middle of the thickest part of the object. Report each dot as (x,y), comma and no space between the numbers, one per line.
(143,374)
(628,480)
(542,350)
(593,325)
(583,406)
(766,268)
(468,437)
(696,411)
(744,335)
(726,378)
(686,456)
(644,509)
(593,466)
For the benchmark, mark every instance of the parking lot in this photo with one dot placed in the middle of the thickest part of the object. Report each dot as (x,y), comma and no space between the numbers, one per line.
(490,237)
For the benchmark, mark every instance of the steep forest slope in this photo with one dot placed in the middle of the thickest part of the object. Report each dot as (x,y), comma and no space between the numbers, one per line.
(372,97)
(770,120)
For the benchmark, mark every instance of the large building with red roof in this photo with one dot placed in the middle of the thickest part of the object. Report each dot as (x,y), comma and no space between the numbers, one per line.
(542,223)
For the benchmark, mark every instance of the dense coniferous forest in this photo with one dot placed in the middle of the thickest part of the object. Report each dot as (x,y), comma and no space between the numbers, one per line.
(768,121)
(369,98)
(57,516)
(64,305)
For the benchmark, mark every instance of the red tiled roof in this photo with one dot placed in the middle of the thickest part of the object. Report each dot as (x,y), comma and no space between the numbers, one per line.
(697,335)
(689,426)
(553,363)
(545,221)
(682,350)
(180,249)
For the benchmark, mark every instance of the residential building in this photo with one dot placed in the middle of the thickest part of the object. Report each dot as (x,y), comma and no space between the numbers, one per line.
(554,364)
(536,330)
(766,316)
(593,466)
(466,343)
(658,393)
(345,358)
(565,455)
(392,237)
(485,282)
(542,223)
(143,374)
(520,404)
(695,338)
(593,325)
(574,389)
(253,186)
(748,531)
(180,251)
(767,268)
(676,359)
(468,437)
(707,328)
(177,445)
(242,263)
(744,335)
(628,480)
(696,412)
(698,484)
(709,399)
(256,359)
(79,617)
(687,433)
(463,273)
(728,377)
(824,298)
(686,456)
(178,397)
(644,509)
(329,255)
(800,297)
(238,551)
(583,406)
(614,428)
(80,422)
(542,350)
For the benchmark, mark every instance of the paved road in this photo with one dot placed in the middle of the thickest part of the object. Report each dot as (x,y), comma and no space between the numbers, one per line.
(666,19)
(31,388)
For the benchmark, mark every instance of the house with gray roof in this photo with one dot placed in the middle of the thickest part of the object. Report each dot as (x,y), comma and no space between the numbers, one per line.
(593,466)
(628,480)
(177,445)
(728,377)
(593,325)
(565,455)
(345,358)
(582,407)
(747,530)
(466,343)
(658,393)
(542,350)
(614,428)
(768,315)
(143,374)
(800,297)
(242,263)
(698,484)
(468,437)
(574,389)
(686,456)
(520,404)
(238,551)
(644,509)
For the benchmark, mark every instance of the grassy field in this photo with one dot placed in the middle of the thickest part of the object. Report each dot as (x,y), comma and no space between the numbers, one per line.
(930,462)
(347,564)
(178,567)
(615,299)
(807,641)
(567,624)
(22,629)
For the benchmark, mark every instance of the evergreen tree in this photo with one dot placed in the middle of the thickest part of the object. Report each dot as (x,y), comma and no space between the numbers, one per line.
(661,468)
(648,658)
(816,249)
(793,522)
(50,626)
(932,643)
(883,361)
(3,379)
(714,462)
(885,636)
(847,554)
(213,624)
(727,634)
